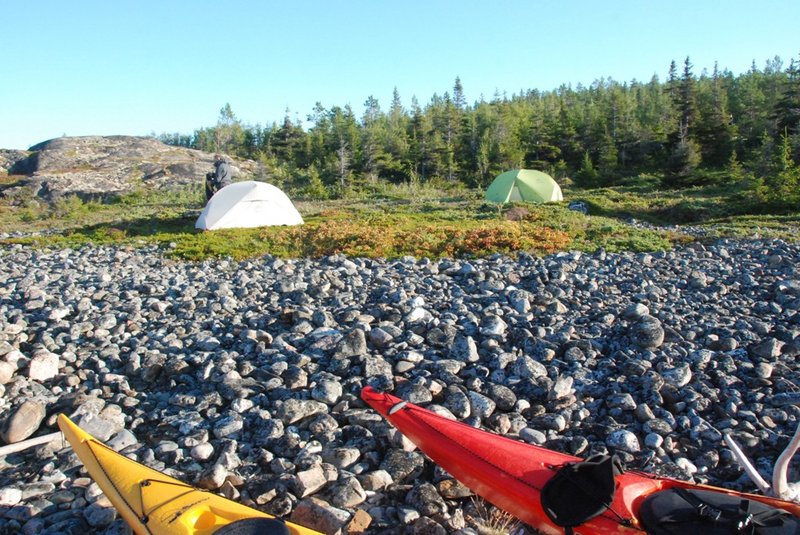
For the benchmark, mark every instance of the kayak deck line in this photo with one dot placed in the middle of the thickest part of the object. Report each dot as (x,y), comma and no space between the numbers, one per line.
(146,514)
(89,443)
(142,513)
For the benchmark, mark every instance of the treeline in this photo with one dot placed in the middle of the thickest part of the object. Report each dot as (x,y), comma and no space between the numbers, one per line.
(689,129)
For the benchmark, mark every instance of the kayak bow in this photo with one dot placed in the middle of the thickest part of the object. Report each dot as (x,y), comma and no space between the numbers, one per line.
(153,503)
(511,474)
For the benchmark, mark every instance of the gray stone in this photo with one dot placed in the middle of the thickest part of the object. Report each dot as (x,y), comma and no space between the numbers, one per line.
(319,515)
(352,344)
(464,349)
(562,388)
(113,164)
(122,440)
(635,312)
(99,516)
(23,422)
(327,391)
(34,490)
(101,428)
(647,333)
(527,368)
(213,477)
(457,402)
(202,452)
(403,465)
(768,349)
(33,526)
(480,405)
(622,401)
(171,351)
(623,440)
(532,436)
(10,496)
(426,499)
(380,338)
(7,371)
(347,493)
(493,326)
(295,410)
(228,426)
(309,481)
(376,480)
(427,526)
(678,376)
(43,365)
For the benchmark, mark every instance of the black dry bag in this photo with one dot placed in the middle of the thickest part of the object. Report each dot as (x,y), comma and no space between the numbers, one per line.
(581,491)
(678,511)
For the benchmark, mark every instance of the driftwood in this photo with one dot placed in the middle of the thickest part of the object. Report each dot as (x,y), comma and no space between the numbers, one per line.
(745,463)
(780,488)
(31,442)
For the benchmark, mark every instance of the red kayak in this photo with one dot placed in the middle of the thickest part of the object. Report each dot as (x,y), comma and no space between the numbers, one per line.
(512,475)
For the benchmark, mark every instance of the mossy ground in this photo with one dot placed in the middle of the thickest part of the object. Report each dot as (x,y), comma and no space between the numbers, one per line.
(391,222)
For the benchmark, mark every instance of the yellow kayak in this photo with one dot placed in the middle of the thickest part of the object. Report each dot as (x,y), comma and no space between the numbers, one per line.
(155,504)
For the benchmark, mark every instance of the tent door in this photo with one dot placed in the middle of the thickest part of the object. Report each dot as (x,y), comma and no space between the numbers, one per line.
(515,194)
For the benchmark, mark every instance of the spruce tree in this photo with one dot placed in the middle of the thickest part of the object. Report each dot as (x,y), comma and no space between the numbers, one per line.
(714,129)
(787,109)
(684,156)
(786,181)
(734,169)
(586,177)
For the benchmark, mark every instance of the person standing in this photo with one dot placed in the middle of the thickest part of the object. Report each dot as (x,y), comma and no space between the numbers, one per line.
(219,178)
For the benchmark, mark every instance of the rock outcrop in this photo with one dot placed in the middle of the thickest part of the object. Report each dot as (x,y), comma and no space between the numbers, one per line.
(95,166)
(9,159)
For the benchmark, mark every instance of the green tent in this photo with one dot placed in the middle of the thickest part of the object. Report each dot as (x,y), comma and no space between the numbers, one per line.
(523,185)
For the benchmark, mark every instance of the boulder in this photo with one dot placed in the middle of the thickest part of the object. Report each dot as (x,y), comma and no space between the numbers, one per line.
(96,166)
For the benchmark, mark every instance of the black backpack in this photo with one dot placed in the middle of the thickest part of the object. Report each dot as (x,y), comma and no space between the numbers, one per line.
(581,491)
(679,511)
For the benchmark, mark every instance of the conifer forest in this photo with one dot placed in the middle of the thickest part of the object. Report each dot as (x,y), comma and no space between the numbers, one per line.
(689,129)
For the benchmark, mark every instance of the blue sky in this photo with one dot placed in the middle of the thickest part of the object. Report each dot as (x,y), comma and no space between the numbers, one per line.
(91,67)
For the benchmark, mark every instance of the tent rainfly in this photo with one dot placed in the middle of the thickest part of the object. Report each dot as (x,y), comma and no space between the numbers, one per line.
(523,185)
(246,205)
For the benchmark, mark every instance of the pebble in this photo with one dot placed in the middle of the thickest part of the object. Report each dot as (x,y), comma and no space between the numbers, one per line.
(10,496)
(243,376)
(347,493)
(309,481)
(319,515)
(7,371)
(623,440)
(202,452)
(23,422)
(100,515)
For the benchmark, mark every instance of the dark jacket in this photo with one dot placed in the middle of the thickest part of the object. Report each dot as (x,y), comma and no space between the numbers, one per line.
(222,174)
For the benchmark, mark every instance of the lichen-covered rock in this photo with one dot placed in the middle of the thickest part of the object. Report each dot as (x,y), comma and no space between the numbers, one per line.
(97,165)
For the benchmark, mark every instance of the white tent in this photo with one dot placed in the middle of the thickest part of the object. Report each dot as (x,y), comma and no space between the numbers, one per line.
(248,204)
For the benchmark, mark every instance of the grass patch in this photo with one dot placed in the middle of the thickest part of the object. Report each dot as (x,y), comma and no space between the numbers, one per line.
(397,221)
(488,519)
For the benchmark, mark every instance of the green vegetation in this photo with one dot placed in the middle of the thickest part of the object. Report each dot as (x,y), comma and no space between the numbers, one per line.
(718,151)
(689,131)
(394,221)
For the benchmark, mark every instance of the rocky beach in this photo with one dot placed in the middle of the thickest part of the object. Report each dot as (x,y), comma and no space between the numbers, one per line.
(242,377)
